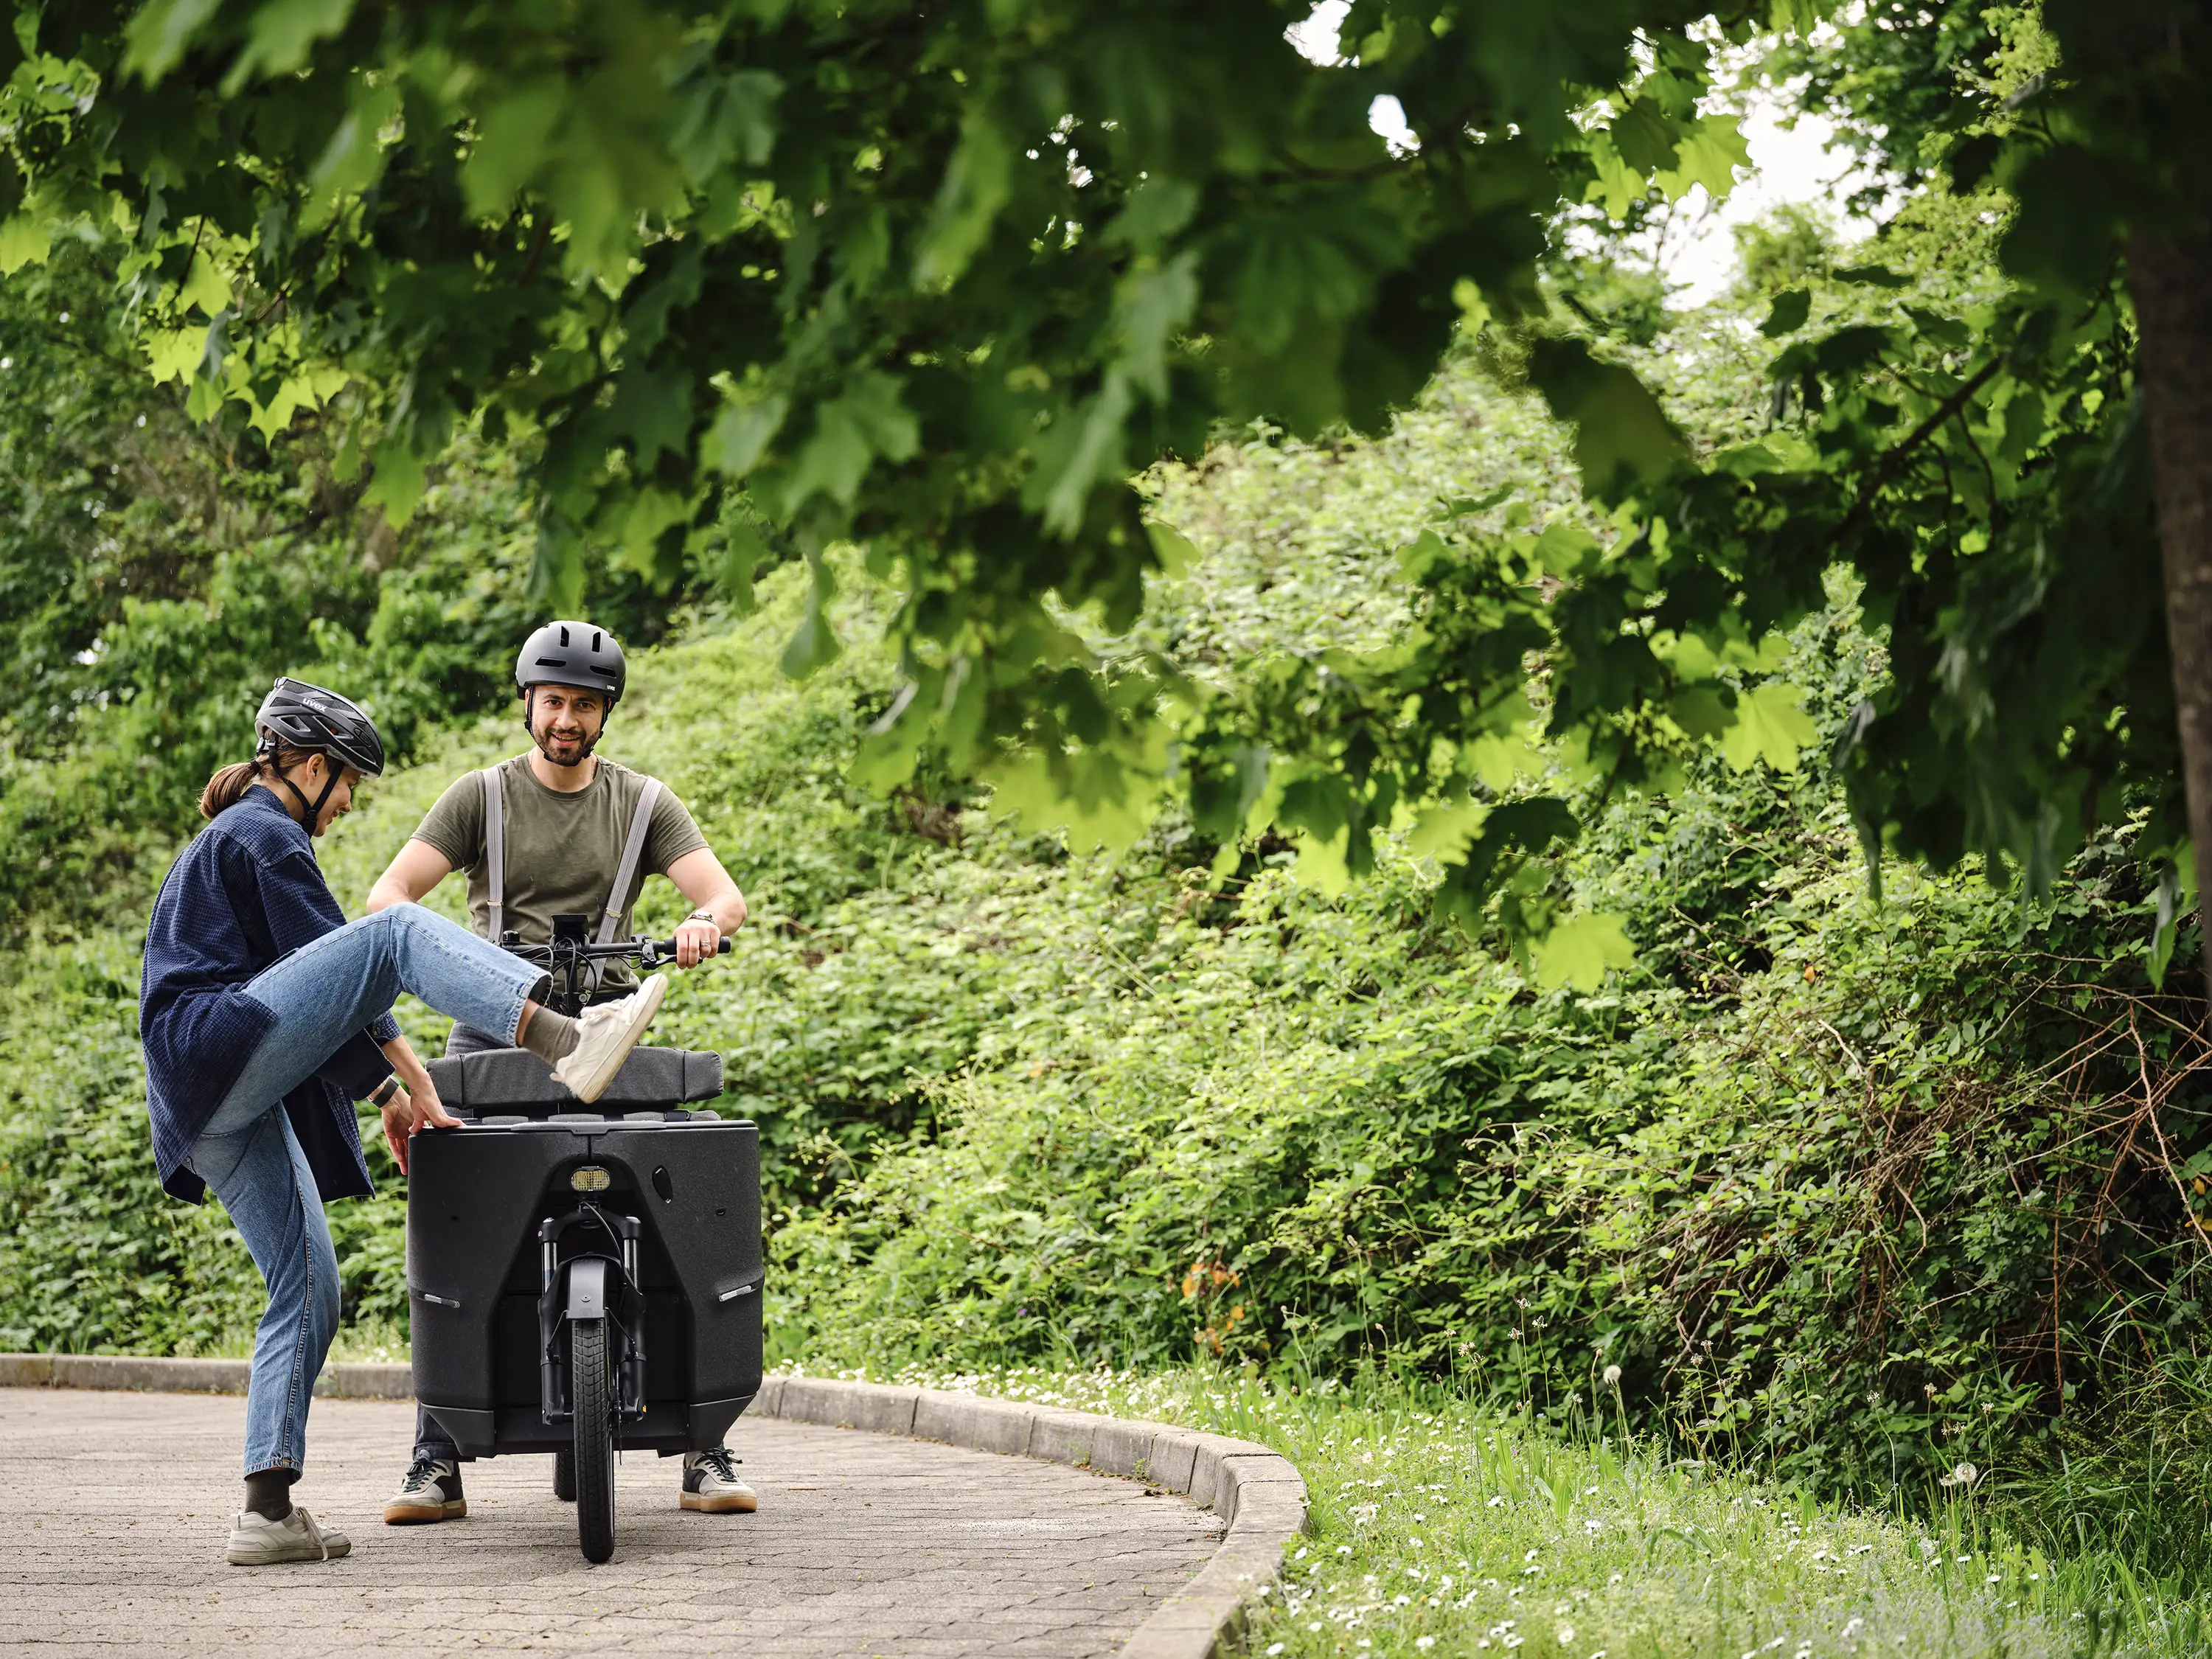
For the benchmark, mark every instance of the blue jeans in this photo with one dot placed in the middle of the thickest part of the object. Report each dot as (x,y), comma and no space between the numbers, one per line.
(322,994)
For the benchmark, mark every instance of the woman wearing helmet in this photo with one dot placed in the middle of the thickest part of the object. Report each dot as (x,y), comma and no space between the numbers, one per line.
(264,1015)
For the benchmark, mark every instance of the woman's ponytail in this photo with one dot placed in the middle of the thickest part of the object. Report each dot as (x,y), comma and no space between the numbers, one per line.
(229,784)
(225,787)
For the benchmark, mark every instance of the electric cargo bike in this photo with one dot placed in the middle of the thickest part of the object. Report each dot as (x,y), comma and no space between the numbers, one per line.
(584,1281)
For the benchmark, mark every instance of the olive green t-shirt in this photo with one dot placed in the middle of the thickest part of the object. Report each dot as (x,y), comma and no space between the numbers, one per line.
(561,850)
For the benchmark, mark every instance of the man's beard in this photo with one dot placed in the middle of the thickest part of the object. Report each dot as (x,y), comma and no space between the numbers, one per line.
(544,745)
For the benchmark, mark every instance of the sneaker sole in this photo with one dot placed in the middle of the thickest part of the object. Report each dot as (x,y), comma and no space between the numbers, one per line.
(729,1503)
(237,1557)
(655,992)
(420,1515)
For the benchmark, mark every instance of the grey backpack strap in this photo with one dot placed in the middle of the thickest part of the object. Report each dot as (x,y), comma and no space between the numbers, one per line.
(640,824)
(495,850)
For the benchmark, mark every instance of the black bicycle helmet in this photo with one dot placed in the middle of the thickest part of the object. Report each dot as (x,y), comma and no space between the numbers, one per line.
(577,654)
(297,715)
(303,716)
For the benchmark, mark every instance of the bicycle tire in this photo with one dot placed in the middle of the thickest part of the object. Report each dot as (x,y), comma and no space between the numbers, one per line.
(591,1392)
(564,1475)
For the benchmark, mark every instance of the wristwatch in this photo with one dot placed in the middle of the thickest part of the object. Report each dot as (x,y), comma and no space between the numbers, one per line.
(384,1091)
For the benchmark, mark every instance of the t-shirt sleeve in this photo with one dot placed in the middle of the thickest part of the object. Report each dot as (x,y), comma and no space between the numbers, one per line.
(455,825)
(672,834)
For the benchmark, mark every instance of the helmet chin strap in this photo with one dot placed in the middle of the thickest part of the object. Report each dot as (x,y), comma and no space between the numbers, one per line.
(312,815)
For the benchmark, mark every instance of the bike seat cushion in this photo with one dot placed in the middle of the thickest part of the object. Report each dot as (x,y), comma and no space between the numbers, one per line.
(512,1079)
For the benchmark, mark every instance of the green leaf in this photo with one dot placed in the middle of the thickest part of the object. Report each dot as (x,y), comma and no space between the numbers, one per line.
(1156,210)
(813,644)
(397,486)
(2166,929)
(850,432)
(556,568)
(512,136)
(1321,863)
(744,550)
(1622,437)
(652,511)
(205,288)
(1150,305)
(1769,726)
(354,158)
(174,353)
(155,40)
(1171,547)
(278,39)
(732,122)
(1446,832)
(653,406)
(977,182)
(1790,308)
(1711,153)
(734,444)
(1617,187)
(1699,711)
(1578,951)
(25,240)
(1646,138)
(1873,277)
(1078,452)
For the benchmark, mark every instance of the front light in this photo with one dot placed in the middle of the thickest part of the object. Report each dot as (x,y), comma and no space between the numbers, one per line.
(591,1178)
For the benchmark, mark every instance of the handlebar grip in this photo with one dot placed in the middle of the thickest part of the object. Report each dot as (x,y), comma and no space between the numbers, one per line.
(667,946)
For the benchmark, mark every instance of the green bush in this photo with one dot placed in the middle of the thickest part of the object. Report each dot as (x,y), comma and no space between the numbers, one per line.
(1860,1192)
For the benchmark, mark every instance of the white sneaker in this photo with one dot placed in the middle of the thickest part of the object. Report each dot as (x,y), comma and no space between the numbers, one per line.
(605,1033)
(711,1483)
(257,1541)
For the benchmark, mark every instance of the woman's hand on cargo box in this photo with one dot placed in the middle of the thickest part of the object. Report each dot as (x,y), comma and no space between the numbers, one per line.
(405,1113)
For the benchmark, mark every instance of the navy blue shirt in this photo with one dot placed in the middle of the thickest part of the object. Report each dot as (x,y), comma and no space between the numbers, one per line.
(246,893)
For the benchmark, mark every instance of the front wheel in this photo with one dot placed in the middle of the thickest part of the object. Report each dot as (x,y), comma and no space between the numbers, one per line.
(564,1476)
(591,1392)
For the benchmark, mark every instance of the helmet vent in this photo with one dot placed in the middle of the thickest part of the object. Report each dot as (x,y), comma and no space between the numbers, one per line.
(564,635)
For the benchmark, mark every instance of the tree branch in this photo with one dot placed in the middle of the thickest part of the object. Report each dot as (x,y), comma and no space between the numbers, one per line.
(1893,463)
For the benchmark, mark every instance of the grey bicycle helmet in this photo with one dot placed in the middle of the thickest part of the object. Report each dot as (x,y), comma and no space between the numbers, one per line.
(577,654)
(297,715)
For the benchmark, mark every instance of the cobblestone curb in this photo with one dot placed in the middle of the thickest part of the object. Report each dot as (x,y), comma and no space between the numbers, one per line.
(1258,1492)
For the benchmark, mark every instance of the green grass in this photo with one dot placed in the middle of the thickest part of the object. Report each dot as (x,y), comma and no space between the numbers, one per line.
(1439,1527)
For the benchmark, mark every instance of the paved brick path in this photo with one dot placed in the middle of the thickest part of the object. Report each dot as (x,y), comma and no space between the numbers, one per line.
(113,1508)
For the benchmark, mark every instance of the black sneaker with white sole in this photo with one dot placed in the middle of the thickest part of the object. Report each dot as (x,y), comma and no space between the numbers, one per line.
(431,1492)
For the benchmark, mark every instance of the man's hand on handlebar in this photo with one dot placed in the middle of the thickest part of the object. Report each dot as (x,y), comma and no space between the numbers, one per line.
(696,938)
(405,1113)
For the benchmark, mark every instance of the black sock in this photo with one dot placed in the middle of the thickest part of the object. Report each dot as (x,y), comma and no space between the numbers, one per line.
(269,1494)
(551,1036)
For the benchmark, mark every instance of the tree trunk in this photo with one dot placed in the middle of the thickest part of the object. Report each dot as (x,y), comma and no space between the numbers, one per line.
(2171,278)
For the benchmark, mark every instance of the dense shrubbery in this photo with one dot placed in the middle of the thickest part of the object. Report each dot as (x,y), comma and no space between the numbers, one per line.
(1811,1207)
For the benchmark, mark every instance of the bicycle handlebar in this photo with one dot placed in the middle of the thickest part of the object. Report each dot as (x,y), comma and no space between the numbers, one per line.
(649,952)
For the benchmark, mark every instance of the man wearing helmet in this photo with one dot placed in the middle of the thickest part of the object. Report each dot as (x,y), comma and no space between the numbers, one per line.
(573,832)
